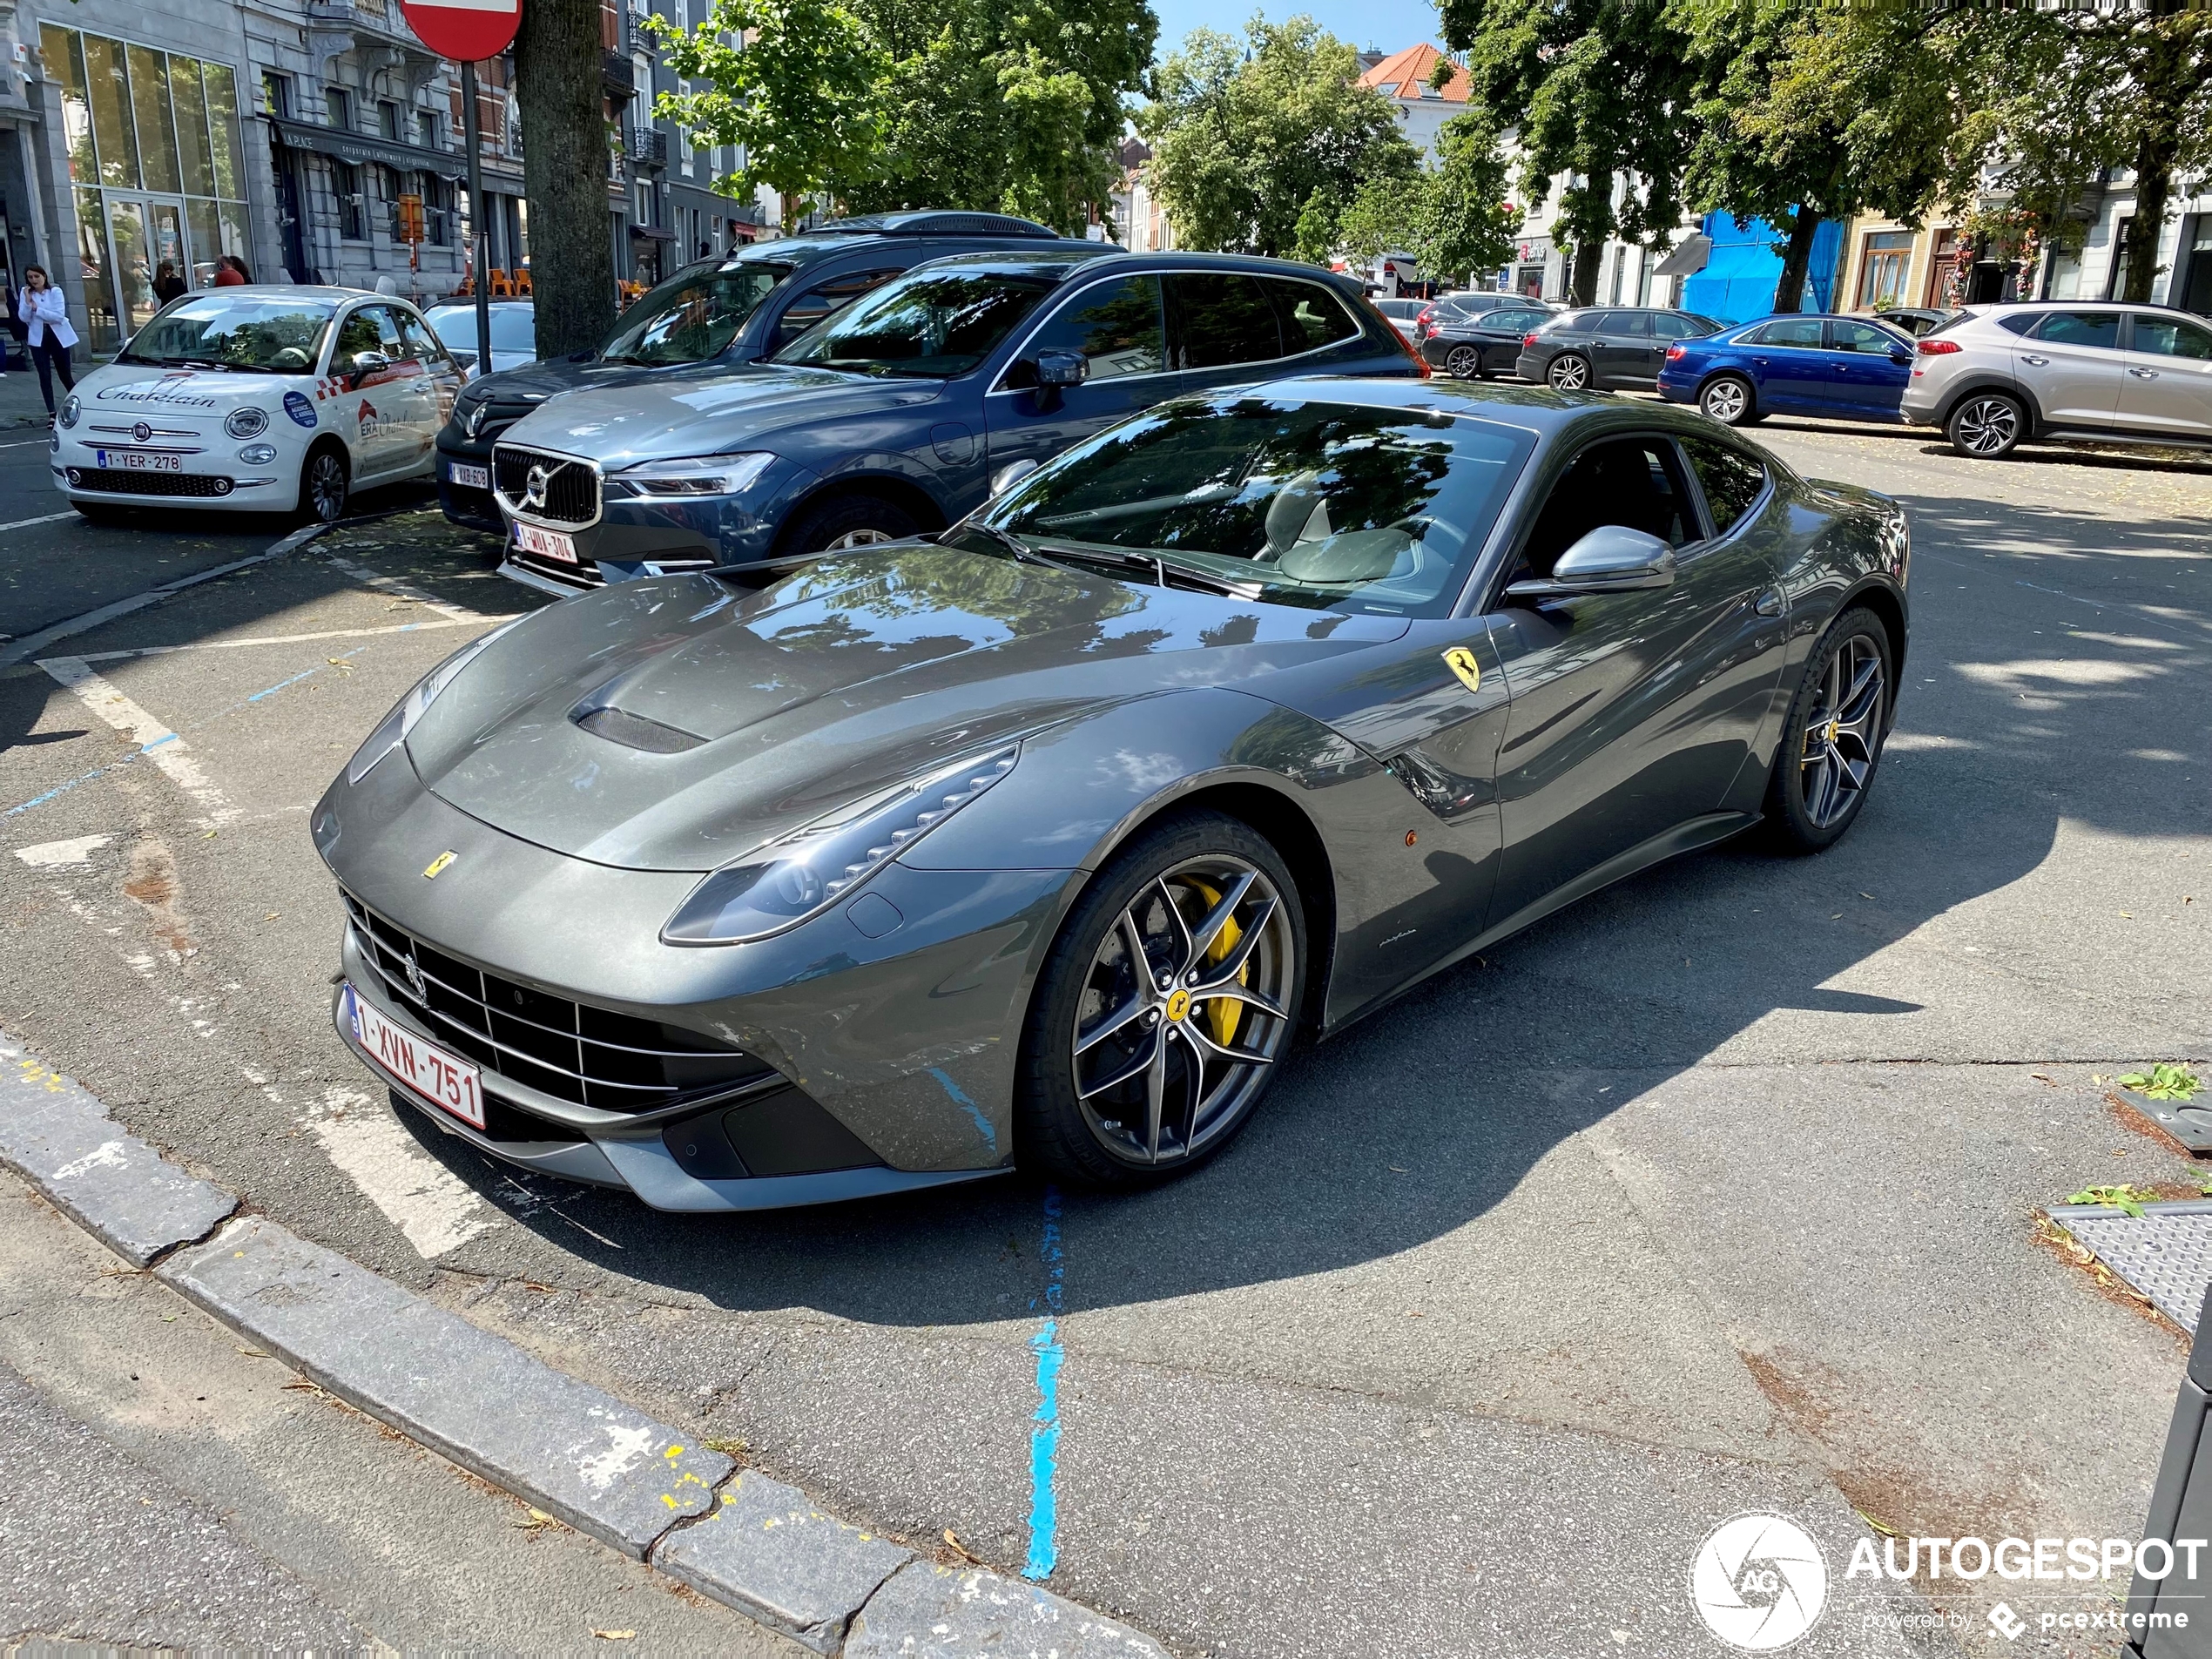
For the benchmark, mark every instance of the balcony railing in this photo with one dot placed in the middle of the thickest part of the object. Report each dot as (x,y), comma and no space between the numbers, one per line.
(648,147)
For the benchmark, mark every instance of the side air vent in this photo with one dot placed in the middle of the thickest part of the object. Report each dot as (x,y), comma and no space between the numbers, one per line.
(635,731)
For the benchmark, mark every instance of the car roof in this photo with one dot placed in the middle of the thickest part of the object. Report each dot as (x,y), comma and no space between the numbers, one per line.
(2136,306)
(1069,256)
(1534,408)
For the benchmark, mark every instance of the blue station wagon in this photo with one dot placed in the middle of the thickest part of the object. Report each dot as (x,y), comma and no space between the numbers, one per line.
(1843,368)
(903,412)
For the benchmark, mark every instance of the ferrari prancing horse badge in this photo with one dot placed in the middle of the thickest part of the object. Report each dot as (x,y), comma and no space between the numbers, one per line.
(1462,661)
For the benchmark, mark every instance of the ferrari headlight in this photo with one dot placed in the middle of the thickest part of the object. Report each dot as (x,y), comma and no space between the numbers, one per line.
(775,887)
(247,422)
(692,475)
(392,730)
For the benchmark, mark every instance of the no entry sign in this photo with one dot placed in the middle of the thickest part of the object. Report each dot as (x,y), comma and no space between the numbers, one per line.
(468,30)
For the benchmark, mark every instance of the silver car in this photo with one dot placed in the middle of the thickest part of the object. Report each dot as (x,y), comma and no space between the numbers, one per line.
(1996,376)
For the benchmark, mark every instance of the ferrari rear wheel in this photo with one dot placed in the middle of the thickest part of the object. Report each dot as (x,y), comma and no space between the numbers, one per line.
(1169,1001)
(1833,741)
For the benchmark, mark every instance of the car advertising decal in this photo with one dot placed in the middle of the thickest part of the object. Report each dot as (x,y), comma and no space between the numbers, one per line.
(371,421)
(297,406)
(168,389)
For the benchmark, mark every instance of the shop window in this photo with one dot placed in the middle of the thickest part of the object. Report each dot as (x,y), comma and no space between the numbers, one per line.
(150,106)
(347,184)
(195,159)
(109,85)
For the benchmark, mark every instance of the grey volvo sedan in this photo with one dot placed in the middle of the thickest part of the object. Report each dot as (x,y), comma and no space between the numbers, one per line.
(1048,838)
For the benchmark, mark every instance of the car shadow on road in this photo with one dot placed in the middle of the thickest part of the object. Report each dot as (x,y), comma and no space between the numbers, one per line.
(1426,1116)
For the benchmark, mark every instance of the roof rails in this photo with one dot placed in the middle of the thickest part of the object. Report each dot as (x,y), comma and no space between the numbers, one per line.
(933,221)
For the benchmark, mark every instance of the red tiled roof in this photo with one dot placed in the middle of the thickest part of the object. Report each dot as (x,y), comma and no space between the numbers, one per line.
(1405,74)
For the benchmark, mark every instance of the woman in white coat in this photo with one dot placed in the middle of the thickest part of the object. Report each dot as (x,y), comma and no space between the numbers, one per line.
(46,332)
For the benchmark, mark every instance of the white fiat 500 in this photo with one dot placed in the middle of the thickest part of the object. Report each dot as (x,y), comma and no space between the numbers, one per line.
(278,399)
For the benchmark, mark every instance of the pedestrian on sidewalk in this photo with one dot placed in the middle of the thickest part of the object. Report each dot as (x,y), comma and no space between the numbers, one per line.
(46,331)
(231,271)
(167,284)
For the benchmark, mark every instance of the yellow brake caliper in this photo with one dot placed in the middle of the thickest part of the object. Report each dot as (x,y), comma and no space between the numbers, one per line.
(1223,1011)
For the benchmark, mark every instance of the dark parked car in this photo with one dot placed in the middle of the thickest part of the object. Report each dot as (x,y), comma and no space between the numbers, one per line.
(1912,320)
(720,312)
(1045,842)
(1845,367)
(1449,308)
(894,417)
(1476,345)
(1606,349)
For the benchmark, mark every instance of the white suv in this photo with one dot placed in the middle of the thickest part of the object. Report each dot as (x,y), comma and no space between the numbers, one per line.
(1995,376)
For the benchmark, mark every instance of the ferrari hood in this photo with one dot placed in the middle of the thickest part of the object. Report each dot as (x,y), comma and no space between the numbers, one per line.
(674,723)
(702,414)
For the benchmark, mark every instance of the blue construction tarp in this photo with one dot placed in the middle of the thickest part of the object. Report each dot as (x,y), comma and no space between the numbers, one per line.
(1738,282)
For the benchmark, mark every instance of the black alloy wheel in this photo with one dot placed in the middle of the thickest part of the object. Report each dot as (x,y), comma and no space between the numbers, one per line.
(1728,399)
(1168,1000)
(1833,741)
(1570,371)
(324,485)
(1987,425)
(839,523)
(1463,362)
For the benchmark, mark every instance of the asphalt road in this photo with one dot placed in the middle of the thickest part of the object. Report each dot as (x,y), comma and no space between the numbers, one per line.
(1712,1194)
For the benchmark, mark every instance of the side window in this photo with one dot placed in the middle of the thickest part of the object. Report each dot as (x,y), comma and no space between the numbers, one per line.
(1312,316)
(356,334)
(1731,480)
(1117,325)
(2095,328)
(1633,481)
(822,301)
(1221,319)
(2016,322)
(1668,325)
(1635,324)
(423,345)
(2170,337)
(1517,323)
(1862,337)
(388,340)
(1799,333)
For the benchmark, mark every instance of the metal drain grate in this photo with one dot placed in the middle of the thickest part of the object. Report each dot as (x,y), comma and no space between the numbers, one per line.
(2166,1252)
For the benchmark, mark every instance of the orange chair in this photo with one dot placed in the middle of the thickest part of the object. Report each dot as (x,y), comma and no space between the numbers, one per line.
(501,287)
(522,281)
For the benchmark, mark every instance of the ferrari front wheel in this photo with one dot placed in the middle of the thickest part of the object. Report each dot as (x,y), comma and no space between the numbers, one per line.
(1167,1005)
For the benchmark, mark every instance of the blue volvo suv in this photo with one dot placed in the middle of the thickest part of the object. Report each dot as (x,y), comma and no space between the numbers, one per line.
(896,415)
(722,312)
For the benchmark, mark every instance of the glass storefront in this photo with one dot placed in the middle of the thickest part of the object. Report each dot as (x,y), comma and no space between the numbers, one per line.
(156,158)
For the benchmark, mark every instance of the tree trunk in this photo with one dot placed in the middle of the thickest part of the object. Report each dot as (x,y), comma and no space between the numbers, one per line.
(1797,259)
(2164,70)
(558,84)
(1581,285)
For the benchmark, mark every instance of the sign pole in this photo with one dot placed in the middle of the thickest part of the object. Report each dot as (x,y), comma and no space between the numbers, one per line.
(479,233)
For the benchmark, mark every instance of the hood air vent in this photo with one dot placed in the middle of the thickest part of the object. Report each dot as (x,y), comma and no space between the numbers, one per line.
(635,731)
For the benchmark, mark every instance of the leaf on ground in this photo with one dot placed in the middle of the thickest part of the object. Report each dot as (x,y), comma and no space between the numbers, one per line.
(1878,1524)
(616,1636)
(959,1549)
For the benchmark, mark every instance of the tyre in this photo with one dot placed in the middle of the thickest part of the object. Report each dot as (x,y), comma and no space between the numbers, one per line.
(1169,1001)
(1463,362)
(1569,372)
(326,484)
(1833,740)
(1729,399)
(1987,425)
(839,522)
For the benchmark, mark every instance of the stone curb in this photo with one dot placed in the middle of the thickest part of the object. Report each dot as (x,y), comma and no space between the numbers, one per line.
(604,1468)
(113,1185)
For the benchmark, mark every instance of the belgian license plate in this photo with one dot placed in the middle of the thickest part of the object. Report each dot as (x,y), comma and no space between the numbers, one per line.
(136,460)
(469,477)
(423,1067)
(547,544)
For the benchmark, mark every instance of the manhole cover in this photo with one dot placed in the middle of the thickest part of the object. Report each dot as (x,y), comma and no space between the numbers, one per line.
(2166,1252)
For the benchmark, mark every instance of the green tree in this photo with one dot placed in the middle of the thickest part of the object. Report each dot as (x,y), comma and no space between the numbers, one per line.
(1014,108)
(1249,139)
(1597,89)
(797,83)
(565,172)
(1810,113)
(1465,228)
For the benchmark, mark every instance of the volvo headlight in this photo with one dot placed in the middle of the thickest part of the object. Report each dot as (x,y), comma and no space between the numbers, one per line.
(691,476)
(775,887)
(393,729)
(71,409)
(247,422)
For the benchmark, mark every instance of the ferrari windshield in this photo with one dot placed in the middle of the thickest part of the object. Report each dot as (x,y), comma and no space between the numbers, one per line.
(693,315)
(932,325)
(270,333)
(1330,505)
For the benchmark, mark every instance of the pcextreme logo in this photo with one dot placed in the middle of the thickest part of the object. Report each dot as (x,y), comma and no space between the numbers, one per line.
(1759,1581)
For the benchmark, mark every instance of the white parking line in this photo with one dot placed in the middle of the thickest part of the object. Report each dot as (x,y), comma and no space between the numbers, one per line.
(404,588)
(285,639)
(156,741)
(25,523)
(437,1210)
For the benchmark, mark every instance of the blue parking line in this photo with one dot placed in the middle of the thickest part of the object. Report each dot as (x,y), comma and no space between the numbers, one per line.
(1044,1436)
(959,1096)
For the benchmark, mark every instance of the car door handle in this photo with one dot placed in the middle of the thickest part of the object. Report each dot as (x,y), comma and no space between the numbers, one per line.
(2144,373)
(1769,604)
(2038,362)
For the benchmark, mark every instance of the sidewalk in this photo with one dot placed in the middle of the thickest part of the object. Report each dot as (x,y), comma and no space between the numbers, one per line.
(20,404)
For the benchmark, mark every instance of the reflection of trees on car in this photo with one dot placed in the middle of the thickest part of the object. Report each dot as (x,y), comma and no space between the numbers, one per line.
(275,340)
(936,326)
(691,319)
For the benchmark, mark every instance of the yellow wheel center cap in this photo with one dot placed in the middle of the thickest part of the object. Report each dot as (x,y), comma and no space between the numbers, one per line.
(1834,726)
(1179,1003)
